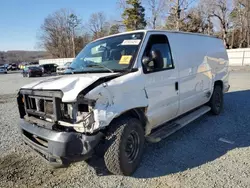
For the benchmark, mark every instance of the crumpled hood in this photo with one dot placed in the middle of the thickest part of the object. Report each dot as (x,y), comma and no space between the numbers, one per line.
(70,85)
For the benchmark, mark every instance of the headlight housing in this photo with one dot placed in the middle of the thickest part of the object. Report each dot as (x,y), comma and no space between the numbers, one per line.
(88,121)
(78,116)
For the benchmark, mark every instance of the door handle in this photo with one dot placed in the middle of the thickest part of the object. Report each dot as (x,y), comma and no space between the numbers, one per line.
(176,86)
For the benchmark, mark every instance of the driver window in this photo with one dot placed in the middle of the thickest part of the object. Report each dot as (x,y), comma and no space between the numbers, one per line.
(158,53)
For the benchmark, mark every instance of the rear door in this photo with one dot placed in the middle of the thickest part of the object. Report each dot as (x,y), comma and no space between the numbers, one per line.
(161,81)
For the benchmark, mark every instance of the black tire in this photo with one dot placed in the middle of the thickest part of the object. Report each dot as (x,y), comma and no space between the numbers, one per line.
(126,144)
(216,101)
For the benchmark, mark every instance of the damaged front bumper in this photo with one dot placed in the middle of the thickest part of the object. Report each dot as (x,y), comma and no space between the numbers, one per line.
(58,147)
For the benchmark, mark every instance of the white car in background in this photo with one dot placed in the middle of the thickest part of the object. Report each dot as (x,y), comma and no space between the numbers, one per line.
(61,69)
(3,70)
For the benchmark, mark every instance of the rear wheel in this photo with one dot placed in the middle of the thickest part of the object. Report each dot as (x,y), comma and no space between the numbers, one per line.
(126,143)
(216,101)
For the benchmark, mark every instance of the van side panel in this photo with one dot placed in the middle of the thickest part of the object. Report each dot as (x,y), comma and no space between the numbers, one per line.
(201,60)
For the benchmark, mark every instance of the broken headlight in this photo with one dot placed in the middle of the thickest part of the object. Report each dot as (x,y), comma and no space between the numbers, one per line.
(85,115)
(79,115)
(88,121)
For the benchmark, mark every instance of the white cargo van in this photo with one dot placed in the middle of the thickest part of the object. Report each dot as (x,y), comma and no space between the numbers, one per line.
(122,90)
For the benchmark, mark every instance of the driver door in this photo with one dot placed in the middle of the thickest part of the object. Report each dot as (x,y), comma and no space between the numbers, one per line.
(161,82)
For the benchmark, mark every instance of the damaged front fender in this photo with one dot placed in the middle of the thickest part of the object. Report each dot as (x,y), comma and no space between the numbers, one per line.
(116,97)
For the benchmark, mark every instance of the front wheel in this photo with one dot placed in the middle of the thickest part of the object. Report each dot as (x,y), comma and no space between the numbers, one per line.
(126,146)
(216,101)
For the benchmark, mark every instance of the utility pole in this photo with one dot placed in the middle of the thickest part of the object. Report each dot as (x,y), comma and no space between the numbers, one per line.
(73,42)
(178,11)
(73,23)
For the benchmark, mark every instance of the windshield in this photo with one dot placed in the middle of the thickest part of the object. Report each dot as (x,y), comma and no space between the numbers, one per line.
(108,55)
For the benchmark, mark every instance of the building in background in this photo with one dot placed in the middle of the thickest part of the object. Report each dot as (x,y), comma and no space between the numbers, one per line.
(59,62)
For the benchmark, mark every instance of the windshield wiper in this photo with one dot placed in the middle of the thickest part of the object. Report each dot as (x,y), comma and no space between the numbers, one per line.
(93,64)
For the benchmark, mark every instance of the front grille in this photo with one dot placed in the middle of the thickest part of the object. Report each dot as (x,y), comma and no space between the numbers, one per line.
(48,107)
(40,106)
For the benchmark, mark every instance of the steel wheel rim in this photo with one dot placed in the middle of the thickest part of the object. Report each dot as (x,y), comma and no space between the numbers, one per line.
(132,146)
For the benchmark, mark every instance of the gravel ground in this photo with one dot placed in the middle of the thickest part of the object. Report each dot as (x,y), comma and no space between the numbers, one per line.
(210,152)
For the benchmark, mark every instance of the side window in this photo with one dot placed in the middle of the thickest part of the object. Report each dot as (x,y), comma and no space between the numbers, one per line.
(157,55)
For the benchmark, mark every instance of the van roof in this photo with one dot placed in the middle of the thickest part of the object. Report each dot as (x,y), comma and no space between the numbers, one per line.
(158,30)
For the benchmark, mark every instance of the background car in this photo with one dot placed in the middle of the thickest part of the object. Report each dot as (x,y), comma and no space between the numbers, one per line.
(6,65)
(3,70)
(12,67)
(48,68)
(61,69)
(32,71)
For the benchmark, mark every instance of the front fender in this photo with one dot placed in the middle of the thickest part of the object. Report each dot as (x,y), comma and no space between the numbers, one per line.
(112,100)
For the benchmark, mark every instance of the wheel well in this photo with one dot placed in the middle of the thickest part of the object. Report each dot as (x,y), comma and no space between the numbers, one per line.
(219,82)
(138,113)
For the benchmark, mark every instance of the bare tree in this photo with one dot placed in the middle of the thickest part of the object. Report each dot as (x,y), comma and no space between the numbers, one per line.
(55,34)
(177,12)
(196,22)
(122,4)
(60,34)
(81,41)
(205,16)
(98,25)
(157,9)
(241,20)
(248,21)
(114,29)
(220,9)
(247,10)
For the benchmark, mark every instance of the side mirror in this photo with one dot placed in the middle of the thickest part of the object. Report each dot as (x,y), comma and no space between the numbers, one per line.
(145,61)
